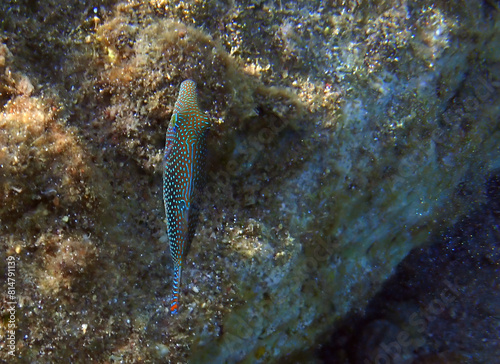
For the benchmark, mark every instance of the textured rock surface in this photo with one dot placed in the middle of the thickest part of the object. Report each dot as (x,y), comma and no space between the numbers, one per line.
(344,134)
(442,304)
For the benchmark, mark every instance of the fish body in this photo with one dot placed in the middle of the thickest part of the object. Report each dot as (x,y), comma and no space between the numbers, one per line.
(184,164)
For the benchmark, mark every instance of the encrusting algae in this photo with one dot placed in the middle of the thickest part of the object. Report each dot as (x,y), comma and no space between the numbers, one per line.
(343,134)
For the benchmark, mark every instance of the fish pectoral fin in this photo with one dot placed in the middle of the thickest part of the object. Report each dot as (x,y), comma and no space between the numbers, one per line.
(170,137)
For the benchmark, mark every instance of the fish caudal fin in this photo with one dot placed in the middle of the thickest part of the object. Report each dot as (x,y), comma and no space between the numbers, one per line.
(175,290)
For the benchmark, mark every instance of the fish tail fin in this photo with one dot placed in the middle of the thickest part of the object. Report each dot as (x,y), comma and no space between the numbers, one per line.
(175,291)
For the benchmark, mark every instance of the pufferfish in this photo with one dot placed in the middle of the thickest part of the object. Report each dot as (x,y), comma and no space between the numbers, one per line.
(184,164)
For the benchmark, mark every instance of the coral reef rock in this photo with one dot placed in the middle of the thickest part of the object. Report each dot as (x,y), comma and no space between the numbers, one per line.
(343,134)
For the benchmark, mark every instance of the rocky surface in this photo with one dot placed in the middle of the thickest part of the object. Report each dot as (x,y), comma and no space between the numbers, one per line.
(441,306)
(344,134)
